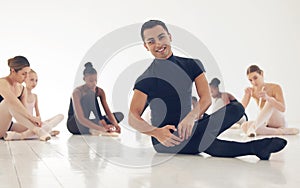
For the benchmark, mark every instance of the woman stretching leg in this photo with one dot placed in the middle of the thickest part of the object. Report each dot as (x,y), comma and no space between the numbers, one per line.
(18,131)
(269,97)
(13,98)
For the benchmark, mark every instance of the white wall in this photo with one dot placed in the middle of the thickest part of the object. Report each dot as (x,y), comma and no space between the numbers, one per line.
(55,35)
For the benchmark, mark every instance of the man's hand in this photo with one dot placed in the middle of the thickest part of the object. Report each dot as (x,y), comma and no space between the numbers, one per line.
(164,136)
(185,127)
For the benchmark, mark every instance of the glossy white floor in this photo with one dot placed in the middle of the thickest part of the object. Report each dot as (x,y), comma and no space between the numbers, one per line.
(90,161)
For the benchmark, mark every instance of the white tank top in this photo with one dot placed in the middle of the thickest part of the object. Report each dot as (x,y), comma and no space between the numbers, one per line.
(217,104)
(30,107)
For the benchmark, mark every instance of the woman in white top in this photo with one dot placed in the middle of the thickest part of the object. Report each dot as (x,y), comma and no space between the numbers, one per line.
(221,99)
(32,106)
(13,101)
(270,100)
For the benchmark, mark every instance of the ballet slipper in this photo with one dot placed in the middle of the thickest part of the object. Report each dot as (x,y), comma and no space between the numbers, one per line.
(251,131)
(248,128)
(111,134)
(101,133)
(42,134)
(54,133)
(12,135)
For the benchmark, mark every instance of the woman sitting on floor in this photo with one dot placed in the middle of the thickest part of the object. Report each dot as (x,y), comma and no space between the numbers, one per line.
(84,116)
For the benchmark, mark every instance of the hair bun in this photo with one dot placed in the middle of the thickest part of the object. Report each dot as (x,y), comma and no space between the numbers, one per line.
(88,65)
(10,61)
(18,62)
(89,69)
(215,82)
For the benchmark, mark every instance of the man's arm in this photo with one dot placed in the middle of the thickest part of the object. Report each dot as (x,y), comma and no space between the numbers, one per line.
(163,135)
(185,127)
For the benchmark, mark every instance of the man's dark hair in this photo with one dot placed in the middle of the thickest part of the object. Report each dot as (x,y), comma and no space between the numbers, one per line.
(150,24)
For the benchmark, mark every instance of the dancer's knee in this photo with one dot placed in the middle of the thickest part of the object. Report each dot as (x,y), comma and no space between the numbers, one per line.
(235,108)
(119,116)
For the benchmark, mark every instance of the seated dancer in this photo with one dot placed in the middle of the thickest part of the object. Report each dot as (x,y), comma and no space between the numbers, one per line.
(166,86)
(221,99)
(13,101)
(269,98)
(84,116)
(32,105)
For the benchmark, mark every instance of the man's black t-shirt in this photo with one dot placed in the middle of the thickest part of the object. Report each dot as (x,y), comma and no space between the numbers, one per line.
(168,86)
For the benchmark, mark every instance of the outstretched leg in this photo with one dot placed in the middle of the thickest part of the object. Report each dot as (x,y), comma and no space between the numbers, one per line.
(277,131)
(268,122)
(261,148)
(43,135)
(47,126)
(261,121)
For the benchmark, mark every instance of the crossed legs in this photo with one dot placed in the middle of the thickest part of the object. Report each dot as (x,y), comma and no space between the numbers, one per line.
(269,121)
(7,113)
(47,126)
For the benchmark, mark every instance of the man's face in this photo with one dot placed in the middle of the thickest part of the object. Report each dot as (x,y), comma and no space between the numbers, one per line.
(157,40)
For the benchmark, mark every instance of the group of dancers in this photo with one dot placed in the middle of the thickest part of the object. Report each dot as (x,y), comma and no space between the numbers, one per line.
(165,87)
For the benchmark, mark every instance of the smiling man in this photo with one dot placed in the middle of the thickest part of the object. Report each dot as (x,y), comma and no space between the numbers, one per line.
(166,86)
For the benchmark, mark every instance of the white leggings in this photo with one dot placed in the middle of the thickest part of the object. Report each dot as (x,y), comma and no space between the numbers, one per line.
(6,114)
(46,125)
(269,121)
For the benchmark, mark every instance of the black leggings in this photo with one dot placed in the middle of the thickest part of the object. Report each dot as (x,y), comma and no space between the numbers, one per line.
(205,133)
(75,128)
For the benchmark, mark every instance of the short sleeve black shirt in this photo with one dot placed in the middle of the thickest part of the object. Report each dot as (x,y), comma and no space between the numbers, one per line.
(168,86)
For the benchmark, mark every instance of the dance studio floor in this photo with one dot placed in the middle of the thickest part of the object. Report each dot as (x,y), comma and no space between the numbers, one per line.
(130,161)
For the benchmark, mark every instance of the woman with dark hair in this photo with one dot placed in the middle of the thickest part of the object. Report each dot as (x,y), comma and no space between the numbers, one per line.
(84,116)
(269,98)
(221,99)
(13,101)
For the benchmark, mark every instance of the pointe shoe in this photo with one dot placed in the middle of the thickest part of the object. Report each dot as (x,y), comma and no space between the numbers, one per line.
(12,135)
(251,131)
(100,133)
(112,134)
(42,134)
(54,133)
(248,128)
